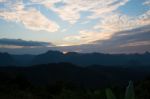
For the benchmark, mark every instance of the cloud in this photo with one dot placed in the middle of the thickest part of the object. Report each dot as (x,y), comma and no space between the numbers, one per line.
(2,1)
(107,7)
(30,18)
(138,43)
(147,2)
(127,41)
(85,37)
(19,43)
(110,21)
(110,25)
(113,22)
(135,37)
(70,10)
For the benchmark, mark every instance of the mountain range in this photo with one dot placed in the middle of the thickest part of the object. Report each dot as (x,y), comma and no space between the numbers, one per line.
(81,59)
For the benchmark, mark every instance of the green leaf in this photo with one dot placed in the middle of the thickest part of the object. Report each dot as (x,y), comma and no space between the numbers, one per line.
(130,91)
(109,94)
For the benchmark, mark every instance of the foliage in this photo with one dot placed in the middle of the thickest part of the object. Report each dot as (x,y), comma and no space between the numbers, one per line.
(128,95)
(110,94)
(16,86)
(130,91)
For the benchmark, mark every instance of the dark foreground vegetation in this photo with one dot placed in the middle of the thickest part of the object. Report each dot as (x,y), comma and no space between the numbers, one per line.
(67,81)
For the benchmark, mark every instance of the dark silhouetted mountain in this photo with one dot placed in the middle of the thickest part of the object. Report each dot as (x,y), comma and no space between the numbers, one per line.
(93,58)
(6,59)
(81,59)
(23,60)
(48,57)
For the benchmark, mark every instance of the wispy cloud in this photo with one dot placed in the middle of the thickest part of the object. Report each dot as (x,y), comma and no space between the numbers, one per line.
(110,25)
(86,37)
(118,22)
(72,9)
(30,18)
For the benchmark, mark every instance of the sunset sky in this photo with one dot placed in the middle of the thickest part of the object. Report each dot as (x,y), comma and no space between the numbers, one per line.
(109,26)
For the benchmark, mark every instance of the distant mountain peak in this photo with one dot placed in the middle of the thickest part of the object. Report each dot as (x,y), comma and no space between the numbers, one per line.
(147,52)
(52,51)
(71,53)
(4,53)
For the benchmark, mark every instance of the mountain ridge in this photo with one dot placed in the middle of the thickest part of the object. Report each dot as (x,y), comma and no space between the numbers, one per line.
(76,58)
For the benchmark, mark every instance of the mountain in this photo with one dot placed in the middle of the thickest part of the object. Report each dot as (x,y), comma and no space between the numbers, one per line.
(85,59)
(81,59)
(48,57)
(6,59)
(23,60)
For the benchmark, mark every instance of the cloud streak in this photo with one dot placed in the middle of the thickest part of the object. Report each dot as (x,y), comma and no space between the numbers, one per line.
(22,43)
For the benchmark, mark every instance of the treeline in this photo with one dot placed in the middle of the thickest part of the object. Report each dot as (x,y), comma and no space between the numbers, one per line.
(14,84)
(18,87)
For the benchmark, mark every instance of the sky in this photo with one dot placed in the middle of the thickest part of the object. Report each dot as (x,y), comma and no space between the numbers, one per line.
(106,26)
